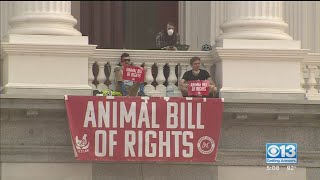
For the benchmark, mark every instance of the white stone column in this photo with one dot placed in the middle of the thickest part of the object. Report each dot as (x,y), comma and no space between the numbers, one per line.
(43,18)
(53,54)
(255,20)
(4,24)
(253,52)
(218,16)
(303,18)
(6,13)
(196,23)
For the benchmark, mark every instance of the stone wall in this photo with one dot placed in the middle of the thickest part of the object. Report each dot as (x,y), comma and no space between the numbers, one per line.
(35,144)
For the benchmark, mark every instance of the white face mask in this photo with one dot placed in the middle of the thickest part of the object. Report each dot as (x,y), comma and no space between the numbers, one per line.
(170,32)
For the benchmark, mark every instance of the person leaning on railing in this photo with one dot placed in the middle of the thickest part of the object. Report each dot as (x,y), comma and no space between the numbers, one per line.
(196,74)
(168,38)
(127,88)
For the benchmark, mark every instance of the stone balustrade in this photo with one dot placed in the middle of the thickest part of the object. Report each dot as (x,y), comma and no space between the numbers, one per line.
(162,68)
(310,76)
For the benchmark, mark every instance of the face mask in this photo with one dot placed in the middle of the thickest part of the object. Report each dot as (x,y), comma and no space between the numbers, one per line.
(170,32)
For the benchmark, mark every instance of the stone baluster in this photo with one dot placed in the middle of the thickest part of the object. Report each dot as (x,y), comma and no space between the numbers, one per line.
(317,77)
(172,79)
(302,81)
(112,75)
(149,88)
(90,75)
(101,77)
(312,92)
(161,89)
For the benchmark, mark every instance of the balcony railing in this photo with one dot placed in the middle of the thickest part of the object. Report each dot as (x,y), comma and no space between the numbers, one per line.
(163,68)
(168,67)
(310,76)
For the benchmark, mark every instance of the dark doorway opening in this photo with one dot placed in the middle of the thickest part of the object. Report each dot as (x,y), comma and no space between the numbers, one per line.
(126,24)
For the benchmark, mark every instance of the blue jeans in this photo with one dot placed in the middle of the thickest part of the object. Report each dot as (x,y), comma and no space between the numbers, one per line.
(124,91)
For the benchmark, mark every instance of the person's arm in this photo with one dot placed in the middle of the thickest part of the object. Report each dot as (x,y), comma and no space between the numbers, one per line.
(183,87)
(211,82)
(119,81)
(118,73)
(212,86)
(183,84)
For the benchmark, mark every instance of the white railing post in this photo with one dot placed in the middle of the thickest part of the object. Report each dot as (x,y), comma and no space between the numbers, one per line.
(161,89)
(311,74)
(149,88)
(302,81)
(101,76)
(172,79)
(90,75)
(112,76)
(317,74)
(312,91)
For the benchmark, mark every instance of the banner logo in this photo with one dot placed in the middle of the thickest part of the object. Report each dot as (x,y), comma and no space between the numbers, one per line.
(83,144)
(206,145)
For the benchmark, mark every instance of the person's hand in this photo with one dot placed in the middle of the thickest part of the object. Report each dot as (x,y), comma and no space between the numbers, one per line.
(174,49)
(214,88)
(171,48)
(185,85)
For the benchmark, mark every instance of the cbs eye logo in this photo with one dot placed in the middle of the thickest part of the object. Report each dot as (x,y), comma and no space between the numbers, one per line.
(273,151)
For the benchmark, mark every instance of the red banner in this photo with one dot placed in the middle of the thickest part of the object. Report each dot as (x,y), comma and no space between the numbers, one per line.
(174,129)
(133,73)
(198,87)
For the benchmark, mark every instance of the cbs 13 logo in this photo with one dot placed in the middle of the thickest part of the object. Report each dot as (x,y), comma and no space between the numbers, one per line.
(281,153)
